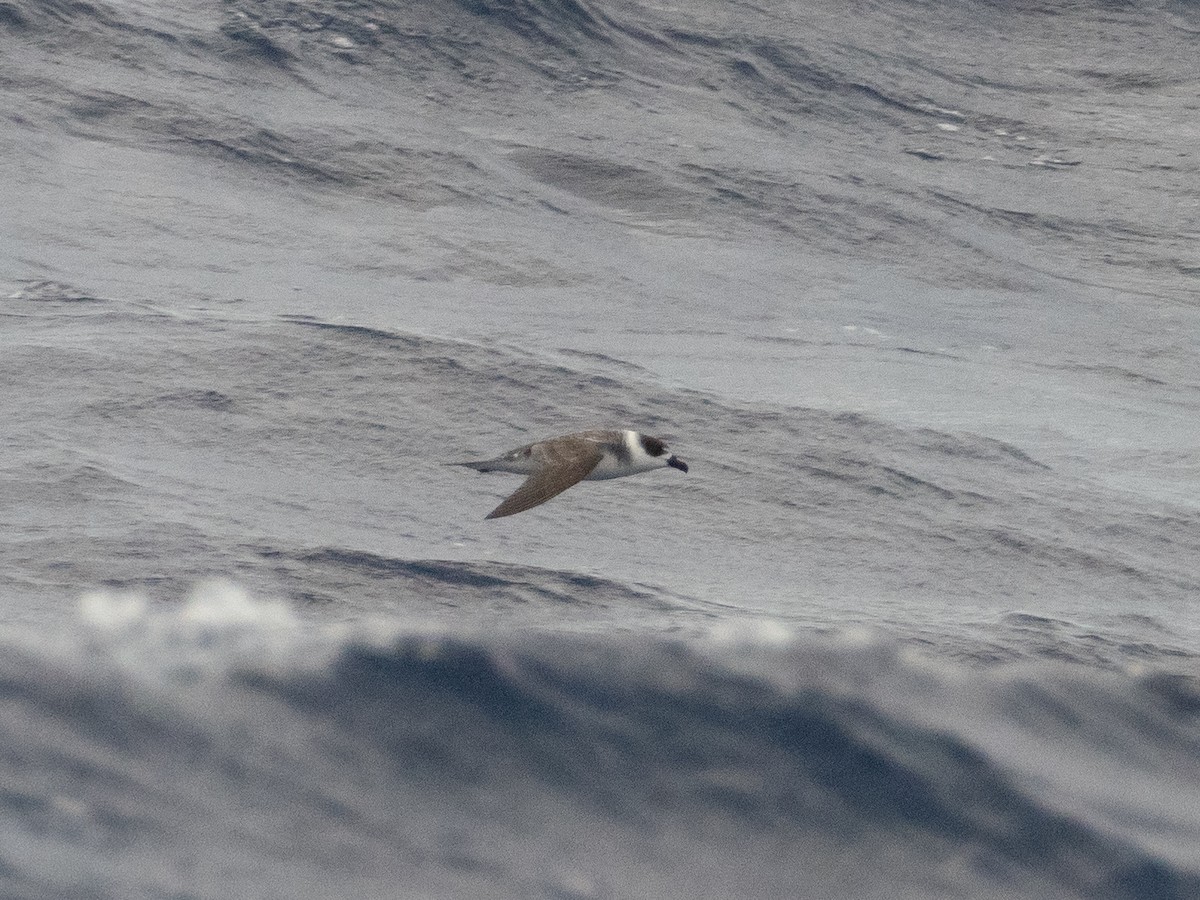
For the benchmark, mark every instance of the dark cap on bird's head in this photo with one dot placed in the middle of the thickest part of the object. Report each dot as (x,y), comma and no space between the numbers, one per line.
(652,445)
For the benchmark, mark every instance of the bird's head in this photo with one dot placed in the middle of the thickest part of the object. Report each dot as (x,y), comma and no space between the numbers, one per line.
(657,448)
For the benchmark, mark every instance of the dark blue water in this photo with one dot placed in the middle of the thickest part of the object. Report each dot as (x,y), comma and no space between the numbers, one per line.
(911,286)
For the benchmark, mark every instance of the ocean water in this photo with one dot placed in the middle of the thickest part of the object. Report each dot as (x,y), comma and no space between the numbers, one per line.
(913,288)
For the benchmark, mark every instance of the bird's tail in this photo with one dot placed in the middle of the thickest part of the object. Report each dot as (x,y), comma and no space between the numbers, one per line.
(479,465)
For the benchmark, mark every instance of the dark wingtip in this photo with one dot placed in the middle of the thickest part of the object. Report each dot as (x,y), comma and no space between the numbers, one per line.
(676,463)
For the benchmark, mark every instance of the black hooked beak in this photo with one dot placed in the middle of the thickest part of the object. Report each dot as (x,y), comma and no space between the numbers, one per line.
(676,463)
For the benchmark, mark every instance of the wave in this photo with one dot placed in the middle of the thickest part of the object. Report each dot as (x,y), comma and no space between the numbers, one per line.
(334,748)
(813,515)
(798,80)
(423,590)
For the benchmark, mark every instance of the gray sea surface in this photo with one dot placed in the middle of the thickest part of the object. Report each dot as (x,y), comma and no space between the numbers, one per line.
(914,288)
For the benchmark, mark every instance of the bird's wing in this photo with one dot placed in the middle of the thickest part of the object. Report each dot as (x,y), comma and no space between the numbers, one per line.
(560,468)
